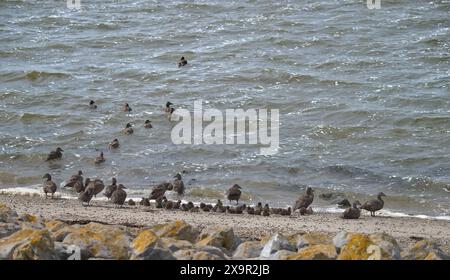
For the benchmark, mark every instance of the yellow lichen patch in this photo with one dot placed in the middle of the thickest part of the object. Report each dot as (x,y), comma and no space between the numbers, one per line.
(313,238)
(205,256)
(29,244)
(177,230)
(28,218)
(7,214)
(315,252)
(54,225)
(356,247)
(144,240)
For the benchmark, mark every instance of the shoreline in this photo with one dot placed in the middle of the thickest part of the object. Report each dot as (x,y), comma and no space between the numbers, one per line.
(406,230)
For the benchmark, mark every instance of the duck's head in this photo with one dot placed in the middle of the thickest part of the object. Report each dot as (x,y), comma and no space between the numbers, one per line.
(236,186)
(92,102)
(80,172)
(114,181)
(47,176)
(168,104)
(147,121)
(182,58)
(121,187)
(59,149)
(381,194)
(172,110)
(309,191)
(178,176)
(356,204)
(259,204)
(101,154)
(128,125)
(115,140)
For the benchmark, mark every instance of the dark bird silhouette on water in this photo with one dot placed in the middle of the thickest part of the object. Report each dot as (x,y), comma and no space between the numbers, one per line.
(167,108)
(86,196)
(234,193)
(182,62)
(178,185)
(119,195)
(49,186)
(374,205)
(148,124)
(56,154)
(100,159)
(109,190)
(128,129)
(127,108)
(352,212)
(159,190)
(92,104)
(304,200)
(114,144)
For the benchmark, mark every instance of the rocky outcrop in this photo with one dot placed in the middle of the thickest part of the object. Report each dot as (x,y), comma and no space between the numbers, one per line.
(425,250)
(218,237)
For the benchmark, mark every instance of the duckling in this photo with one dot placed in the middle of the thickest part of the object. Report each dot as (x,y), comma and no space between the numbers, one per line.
(182,62)
(56,154)
(131,202)
(190,205)
(49,186)
(285,212)
(258,209)
(231,210)
(76,179)
(128,129)
(100,159)
(144,202)
(177,204)
(374,205)
(184,207)
(266,210)
(234,193)
(352,212)
(169,205)
(250,210)
(160,202)
(196,209)
(97,185)
(110,189)
(218,204)
(240,209)
(275,211)
(159,190)
(304,200)
(202,205)
(178,185)
(119,195)
(114,144)
(221,209)
(86,196)
(306,211)
(92,105)
(147,124)
(127,108)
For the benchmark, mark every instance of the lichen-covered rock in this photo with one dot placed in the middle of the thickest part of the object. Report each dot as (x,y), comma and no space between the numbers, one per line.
(30,221)
(276,243)
(315,252)
(389,246)
(148,246)
(61,231)
(7,215)
(248,250)
(356,246)
(313,238)
(67,252)
(100,241)
(280,255)
(178,230)
(218,237)
(174,245)
(8,229)
(194,254)
(28,244)
(425,250)
(213,250)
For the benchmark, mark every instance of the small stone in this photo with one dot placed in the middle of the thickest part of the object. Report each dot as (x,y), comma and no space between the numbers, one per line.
(276,243)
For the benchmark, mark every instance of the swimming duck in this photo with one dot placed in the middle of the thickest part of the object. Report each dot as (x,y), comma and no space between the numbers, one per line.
(182,62)
(92,105)
(55,154)
(167,108)
(234,193)
(374,205)
(100,159)
(144,202)
(128,129)
(147,124)
(304,200)
(76,179)
(344,203)
(97,185)
(159,190)
(119,195)
(110,189)
(352,212)
(49,186)
(86,196)
(127,108)
(178,185)
(114,144)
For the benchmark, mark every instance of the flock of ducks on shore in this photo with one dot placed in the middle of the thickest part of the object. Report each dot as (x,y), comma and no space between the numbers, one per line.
(116,193)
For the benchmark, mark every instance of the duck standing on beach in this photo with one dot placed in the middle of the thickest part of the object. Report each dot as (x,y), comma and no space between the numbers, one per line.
(110,189)
(127,108)
(49,186)
(114,144)
(92,105)
(374,204)
(100,159)
(75,181)
(56,154)
(128,129)
(86,196)
(352,212)
(304,200)
(119,195)
(178,185)
(182,62)
(97,185)
(159,190)
(147,124)
(234,193)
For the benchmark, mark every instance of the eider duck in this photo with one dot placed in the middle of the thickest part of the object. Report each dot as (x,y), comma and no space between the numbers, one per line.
(110,189)
(114,144)
(285,212)
(147,124)
(86,196)
(352,212)
(128,129)
(250,210)
(119,195)
(306,211)
(97,185)
(131,202)
(127,108)
(74,180)
(218,204)
(178,185)
(160,202)
(182,62)
(374,205)
(304,200)
(92,105)
(234,193)
(100,159)
(49,186)
(177,204)
(144,202)
(169,205)
(55,154)
(195,209)
(258,208)
(266,210)
(167,108)
(159,190)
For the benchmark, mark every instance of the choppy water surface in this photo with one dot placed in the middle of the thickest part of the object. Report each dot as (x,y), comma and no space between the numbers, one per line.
(363,95)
